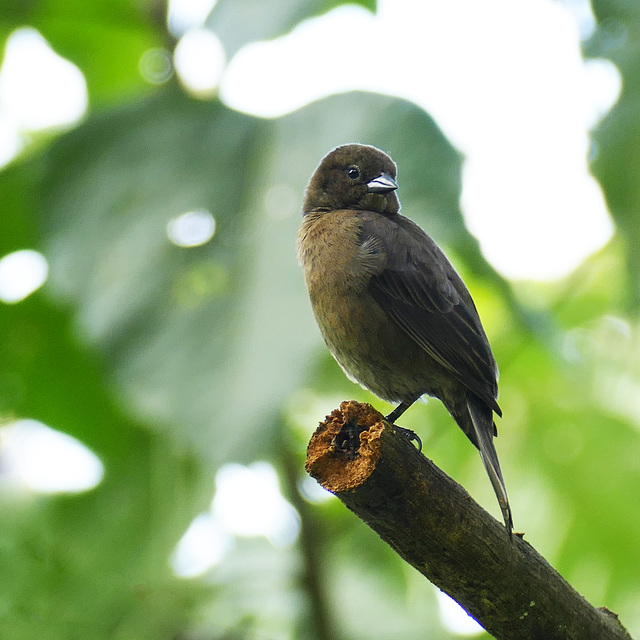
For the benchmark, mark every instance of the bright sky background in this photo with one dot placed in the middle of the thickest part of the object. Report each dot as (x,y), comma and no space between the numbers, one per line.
(504,80)
(506,83)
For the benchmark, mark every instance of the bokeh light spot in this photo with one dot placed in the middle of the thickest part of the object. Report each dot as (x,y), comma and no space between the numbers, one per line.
(201,547)
(188,14)
(191,229)
(11,142)
(45,460)
(248,502)
(156,66)
(603,85)
(200,61)
(21,273)
(38,88)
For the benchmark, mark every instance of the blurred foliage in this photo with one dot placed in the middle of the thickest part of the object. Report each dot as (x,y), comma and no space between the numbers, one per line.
(241,23)
(105,39)
(617,149)
(168,362)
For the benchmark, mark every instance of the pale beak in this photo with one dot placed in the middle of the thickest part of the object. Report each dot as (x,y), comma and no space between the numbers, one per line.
(382,184)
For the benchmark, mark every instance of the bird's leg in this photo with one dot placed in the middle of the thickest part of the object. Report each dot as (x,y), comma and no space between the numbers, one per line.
(407,433)
(398,411)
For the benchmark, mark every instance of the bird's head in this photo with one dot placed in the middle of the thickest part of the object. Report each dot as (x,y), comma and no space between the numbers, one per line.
(353,176)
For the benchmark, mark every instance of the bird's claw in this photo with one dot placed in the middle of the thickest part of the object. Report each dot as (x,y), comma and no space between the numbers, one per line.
(411,436)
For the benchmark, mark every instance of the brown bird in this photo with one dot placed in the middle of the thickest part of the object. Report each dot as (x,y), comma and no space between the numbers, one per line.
(392,310)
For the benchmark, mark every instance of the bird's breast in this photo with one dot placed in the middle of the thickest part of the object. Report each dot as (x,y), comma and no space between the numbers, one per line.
(331,255)
(338,268)
(330,252)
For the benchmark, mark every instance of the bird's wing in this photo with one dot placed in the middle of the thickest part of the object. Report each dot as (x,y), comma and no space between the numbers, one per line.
(420,290)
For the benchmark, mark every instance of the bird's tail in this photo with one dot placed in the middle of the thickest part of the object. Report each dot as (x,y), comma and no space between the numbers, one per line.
(484,430)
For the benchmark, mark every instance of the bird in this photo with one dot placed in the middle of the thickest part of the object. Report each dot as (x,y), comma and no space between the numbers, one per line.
(392,310)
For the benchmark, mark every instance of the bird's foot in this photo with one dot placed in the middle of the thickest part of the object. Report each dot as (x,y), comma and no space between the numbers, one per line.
(411,436)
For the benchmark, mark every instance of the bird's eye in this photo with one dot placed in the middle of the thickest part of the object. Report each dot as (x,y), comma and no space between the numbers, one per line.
(353,173)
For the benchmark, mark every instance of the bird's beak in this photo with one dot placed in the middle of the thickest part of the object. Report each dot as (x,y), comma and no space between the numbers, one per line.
(382,184)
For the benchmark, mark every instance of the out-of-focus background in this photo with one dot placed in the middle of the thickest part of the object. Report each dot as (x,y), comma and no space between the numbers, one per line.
(160,369)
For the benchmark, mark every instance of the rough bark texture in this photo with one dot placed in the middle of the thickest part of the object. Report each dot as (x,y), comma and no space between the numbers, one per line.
(433,523)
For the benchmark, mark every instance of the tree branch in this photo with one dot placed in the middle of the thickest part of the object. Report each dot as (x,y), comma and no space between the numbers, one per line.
(433,523)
